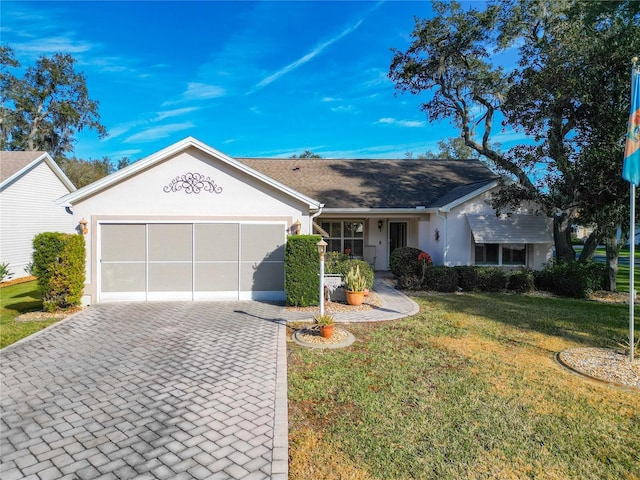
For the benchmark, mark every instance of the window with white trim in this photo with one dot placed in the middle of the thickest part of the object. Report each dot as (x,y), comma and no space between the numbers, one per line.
(501,254)
(346,236)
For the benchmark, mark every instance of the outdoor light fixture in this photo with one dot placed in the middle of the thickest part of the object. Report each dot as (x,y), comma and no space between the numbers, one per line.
(380,225)
(295,228)
(83,226)
(322,249)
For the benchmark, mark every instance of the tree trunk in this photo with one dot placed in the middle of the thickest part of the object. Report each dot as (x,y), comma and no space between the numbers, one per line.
(562,239)
(589,248)
(612,250)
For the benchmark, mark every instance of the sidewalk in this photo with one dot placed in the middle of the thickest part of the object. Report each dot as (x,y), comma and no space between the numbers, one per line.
(395,305)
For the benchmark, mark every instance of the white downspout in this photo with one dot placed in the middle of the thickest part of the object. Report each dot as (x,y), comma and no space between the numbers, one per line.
(444,235)
(313,217)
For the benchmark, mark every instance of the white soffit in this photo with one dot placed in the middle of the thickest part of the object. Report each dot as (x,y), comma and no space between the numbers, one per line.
(510,228)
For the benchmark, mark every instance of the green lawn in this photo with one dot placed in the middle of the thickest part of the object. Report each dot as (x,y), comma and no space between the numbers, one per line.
(468,388)
(15,300)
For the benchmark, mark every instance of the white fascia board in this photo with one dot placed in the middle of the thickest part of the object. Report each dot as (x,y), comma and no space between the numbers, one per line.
(447,208)
(379,211)
(55,168)
(159,156)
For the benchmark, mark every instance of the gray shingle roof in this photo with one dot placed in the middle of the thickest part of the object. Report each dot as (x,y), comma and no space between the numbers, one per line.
(13,162)
(361,183)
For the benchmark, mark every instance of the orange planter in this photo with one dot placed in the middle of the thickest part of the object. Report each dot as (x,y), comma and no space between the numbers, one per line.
(354,298)
(326,331)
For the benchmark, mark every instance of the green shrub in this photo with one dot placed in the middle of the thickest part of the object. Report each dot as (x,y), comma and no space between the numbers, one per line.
(409,282)
(571,279)
(59,265)
(4,271)
(467,277)
(337,263)
(302,270)
(520,281)
(404,261)
(491,279)
(440,279)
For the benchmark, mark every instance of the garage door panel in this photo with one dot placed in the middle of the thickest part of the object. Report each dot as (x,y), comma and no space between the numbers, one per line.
(216,277)
(170,277)
(123,277)
(123,242)
(216,242)
(192,261)
(262,242)
(262,276)
(170,242)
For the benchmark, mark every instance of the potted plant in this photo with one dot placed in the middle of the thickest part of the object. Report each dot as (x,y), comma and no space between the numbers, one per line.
(325,324)
(354,285)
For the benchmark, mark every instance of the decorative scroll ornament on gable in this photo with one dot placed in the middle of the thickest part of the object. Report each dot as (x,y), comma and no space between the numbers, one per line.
(192,183)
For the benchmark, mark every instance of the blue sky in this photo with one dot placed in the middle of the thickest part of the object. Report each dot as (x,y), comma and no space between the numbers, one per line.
(268,79)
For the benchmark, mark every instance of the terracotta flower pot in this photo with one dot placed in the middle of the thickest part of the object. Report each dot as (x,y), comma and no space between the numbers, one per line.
(354,298)
(366,292)
(326,331)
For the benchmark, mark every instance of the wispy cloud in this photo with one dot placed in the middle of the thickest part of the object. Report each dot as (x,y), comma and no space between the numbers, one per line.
(197,91)
(202,91)
(161,131)
(344,109)
(304,59)
(401,123)
(176,112)
(46,46)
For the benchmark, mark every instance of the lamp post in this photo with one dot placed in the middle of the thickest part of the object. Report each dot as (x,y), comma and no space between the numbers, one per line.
(322,249)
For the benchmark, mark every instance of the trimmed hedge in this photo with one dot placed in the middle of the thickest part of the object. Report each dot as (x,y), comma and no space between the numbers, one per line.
(58,263)
(571,279)
(521,281)
(302,270)
(467,277)
(404,261)
(440,279)
(491,279)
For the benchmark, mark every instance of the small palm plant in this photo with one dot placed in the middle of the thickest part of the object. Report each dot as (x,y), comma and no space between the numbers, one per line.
(354,281)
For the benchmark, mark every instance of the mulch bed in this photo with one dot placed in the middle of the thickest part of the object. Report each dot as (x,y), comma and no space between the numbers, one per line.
(603,364)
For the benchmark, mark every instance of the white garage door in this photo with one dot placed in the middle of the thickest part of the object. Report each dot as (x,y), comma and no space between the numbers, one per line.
(191,261)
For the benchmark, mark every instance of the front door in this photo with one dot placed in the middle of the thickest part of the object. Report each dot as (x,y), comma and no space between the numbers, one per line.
(397,235)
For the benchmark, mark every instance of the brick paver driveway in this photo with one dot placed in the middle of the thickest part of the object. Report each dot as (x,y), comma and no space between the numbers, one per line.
(155,390)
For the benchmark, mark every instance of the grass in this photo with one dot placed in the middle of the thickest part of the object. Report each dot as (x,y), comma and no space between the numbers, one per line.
(14,301)
(468,388)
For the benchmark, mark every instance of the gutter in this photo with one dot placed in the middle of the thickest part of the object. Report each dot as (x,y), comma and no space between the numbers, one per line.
(314,216)
(444,233)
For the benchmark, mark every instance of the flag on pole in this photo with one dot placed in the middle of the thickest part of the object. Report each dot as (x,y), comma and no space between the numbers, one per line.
(631,167)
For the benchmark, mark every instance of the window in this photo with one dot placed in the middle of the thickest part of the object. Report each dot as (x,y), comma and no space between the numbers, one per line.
(511,254)
(345,235)
(514,254)
(487,254)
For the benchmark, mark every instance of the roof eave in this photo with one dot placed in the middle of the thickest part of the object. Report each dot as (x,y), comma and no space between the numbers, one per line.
(45,157)
(469,196)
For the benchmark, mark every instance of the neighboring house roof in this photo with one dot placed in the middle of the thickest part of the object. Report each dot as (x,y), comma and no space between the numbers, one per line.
(172,150)
(510,228)
(360,183)
(15,164)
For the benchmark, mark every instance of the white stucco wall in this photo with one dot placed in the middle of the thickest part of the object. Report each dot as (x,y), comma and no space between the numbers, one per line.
(142,198)
(27,208)
(461,251)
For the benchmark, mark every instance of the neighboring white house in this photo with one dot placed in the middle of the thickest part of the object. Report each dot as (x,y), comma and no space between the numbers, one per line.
(30,184)
(191,223)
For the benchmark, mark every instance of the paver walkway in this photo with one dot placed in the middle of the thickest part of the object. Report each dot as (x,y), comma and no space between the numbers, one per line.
(395,305)
(155,390)
(174,390)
